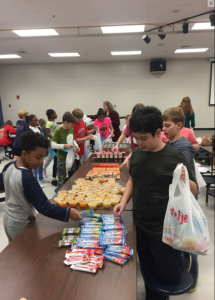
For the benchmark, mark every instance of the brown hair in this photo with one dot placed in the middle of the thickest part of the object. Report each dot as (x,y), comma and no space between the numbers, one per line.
(136,107)
(127,117)
(78,113)
(90,126)
(174,114)
(68,117)
(22,113)
(8,122)
(186,105)
(109,105)
(42,122)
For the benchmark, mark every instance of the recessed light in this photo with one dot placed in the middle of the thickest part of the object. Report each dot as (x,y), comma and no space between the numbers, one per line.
(191,50)
(36,32)
(63,54)
(126,53)
(7,56)
(123,29)
(202,26)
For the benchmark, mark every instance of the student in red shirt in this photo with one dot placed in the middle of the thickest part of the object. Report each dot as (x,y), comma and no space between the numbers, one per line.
(81,132)
(4,141)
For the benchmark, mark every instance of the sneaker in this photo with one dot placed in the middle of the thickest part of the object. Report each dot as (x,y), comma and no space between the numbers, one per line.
(44,173)
(44,180)
(194,287)
(54,182)
(41,186)
(57,189)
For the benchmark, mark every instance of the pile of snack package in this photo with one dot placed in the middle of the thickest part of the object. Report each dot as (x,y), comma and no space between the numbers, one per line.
(100,237)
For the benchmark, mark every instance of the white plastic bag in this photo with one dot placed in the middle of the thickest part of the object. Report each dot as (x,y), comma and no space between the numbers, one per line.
(108,139)
(185,225)
(98,143)
(87,120)
(87,150)
(70,158)
(200,180)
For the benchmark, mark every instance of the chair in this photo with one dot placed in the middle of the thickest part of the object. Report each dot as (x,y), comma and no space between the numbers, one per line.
(179,286)
(210,187)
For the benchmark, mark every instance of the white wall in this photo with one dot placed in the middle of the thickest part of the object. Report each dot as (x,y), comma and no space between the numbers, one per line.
(64,87)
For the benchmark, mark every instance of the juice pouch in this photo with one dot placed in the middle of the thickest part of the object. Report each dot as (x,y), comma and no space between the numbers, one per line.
(116,260)
(124,256)
(113,227)
(71,231)
(120,249)
(91,268)
(87,213)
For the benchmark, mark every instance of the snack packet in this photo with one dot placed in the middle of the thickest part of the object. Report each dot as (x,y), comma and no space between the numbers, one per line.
(120,249)
(87,213)
(106,241)
(92,251)
(70,231)
(75,258)
(91,268)
(113,227)
(68,241)
(124,256)
(116,260)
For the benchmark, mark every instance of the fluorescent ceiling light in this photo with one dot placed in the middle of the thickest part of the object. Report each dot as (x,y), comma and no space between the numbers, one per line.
(36,32)
(202,26)
(7,56)
(191,50)
(63,54)
(126,53)
(123,29)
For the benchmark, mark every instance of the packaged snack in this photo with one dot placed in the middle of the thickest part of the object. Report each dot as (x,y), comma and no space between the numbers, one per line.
(91,268)
(113,227)
(94,251)
(120,249)
(72,230)
(87,213)
(88,243)
(124,256)
(116,260)
(86,225)
(77,251)
(115,233)
(90,230)
(68,241)
(106,241)
(75,258)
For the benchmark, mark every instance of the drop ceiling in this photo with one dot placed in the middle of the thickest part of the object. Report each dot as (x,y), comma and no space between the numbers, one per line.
(90,43)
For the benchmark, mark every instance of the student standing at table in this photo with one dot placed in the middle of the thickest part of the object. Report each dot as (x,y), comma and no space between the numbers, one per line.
(104,125)
(189,113)
(113,116)
(151,172)
(21,126)
(23,194)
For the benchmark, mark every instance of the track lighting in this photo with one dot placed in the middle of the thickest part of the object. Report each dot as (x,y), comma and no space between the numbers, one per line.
(212,19)
(161,36)
(185,27)
(146,38)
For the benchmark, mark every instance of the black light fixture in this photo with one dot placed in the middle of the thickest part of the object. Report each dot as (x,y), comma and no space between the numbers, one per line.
(161,36)
(146,38)
(212,19)
(185,27)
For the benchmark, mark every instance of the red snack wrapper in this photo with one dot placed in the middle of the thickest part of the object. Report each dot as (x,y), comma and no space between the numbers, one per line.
(91,268)
(76,259)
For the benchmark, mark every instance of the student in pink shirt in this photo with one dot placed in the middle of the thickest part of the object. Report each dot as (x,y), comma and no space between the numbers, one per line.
(104,124)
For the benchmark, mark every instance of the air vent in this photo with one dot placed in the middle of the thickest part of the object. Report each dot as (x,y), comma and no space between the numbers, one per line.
(187,46)
(20,51)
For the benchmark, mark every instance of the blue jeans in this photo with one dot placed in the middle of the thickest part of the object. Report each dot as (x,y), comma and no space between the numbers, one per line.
(38,173)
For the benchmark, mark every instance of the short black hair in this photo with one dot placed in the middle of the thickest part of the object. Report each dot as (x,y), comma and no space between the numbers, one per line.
(147,119)
(30,117)
(29,141)
(49,113)
(68,117)
(101,112)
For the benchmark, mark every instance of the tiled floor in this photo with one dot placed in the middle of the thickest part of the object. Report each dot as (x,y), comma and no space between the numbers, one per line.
(205,288)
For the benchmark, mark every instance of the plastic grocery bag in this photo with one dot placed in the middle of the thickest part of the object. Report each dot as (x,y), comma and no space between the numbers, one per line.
(98,143)
(185,225)
(200,180)
(87,150)
(87,120)
(108,139)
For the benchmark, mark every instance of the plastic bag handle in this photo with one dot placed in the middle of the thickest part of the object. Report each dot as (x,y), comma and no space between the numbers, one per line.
(175,181)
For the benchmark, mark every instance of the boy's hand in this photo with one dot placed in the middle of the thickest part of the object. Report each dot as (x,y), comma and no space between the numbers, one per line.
(90,137)
(74,215)
(77,149)
(95,128)
(116,148)
(68,146)
(118,209)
